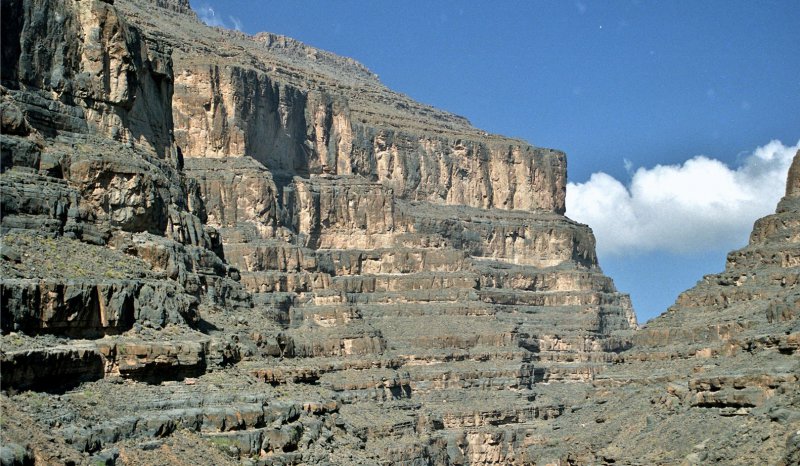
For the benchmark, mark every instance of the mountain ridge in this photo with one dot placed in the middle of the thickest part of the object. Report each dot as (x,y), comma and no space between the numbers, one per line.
(215,253)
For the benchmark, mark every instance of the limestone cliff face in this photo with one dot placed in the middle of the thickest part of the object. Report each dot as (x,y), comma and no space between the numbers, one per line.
(107,79)
(88,155)
(220,248)
(251,248)
(223,111)
(237,192)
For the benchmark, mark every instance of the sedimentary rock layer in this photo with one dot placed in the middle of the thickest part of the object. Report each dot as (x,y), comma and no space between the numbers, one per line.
(716,375)
(227,248)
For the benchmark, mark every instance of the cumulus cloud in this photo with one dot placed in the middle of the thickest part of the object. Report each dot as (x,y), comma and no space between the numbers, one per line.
(698,205)
(208,15)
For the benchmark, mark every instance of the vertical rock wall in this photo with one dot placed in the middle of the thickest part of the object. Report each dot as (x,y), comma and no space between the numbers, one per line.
(230,110)
(246,247)
(104,77)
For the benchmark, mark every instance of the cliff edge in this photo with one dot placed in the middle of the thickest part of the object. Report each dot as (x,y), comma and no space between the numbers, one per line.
(222,248)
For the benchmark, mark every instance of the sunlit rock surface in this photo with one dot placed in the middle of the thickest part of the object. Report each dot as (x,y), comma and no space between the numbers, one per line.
(220,248)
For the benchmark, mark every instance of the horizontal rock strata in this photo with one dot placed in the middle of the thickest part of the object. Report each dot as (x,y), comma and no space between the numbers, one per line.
(221,248)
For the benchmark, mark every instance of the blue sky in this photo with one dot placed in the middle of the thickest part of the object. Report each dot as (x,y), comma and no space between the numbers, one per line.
(636,90)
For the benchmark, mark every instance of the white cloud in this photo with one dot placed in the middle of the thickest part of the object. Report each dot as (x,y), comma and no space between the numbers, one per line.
(208,15)
(697,205)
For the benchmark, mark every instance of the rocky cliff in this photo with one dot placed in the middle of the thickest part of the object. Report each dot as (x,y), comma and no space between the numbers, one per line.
(221,248)
(716,378)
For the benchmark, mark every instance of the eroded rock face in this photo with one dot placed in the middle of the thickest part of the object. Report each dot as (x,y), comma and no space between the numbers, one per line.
(108,78)
(219,247)
(292,128)
(759,287)
(717,369)
(283,221)
(236,191)
(91,177)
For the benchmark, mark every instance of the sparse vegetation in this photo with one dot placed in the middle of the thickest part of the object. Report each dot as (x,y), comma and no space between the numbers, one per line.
(54,258)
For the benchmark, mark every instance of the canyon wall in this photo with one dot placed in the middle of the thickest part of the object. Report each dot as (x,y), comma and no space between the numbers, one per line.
(221,248)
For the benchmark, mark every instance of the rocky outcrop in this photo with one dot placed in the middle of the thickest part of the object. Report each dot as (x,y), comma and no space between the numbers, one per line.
(224,248)
(108,78)
(758,289)
(793,183)
(83,308)
(317,126)
(275,217)
(717,373)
